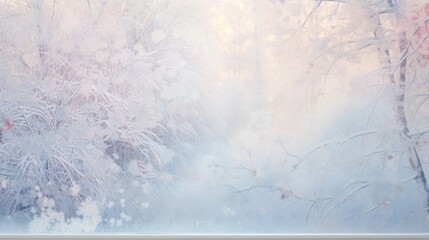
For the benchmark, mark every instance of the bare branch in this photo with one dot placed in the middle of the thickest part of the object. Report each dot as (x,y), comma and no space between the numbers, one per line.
(334,141)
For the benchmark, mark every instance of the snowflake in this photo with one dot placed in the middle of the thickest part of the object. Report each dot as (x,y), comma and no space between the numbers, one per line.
(145,205)
(3,183)
(125,217)
(88,208)
(75,189)
(119,223)
(48,202)
(147,188)
(228,212)
(122,202)
(112,222)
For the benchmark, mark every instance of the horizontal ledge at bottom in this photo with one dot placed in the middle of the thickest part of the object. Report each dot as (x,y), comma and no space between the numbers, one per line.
(214,236)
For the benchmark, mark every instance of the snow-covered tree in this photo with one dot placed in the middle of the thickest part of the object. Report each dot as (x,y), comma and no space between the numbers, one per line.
(104,103)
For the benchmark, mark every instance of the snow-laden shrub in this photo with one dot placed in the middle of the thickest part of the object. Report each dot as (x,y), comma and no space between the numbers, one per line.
(101,118)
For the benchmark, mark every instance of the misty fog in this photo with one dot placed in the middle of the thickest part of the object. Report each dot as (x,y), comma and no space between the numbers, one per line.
(229,116)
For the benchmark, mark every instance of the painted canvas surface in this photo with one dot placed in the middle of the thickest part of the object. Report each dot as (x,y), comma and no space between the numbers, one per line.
(226,116)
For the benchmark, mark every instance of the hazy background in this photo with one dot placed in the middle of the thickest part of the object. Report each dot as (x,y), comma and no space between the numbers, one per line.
(230,116)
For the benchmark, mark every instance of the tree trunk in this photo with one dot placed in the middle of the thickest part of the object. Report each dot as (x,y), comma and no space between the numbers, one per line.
(37,8)
(398,85)
(413,158)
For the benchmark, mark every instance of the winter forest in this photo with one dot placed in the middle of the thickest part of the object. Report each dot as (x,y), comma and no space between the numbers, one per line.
(226,116)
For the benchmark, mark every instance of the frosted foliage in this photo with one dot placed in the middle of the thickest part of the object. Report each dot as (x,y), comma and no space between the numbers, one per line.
(50,220)
(191,116)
